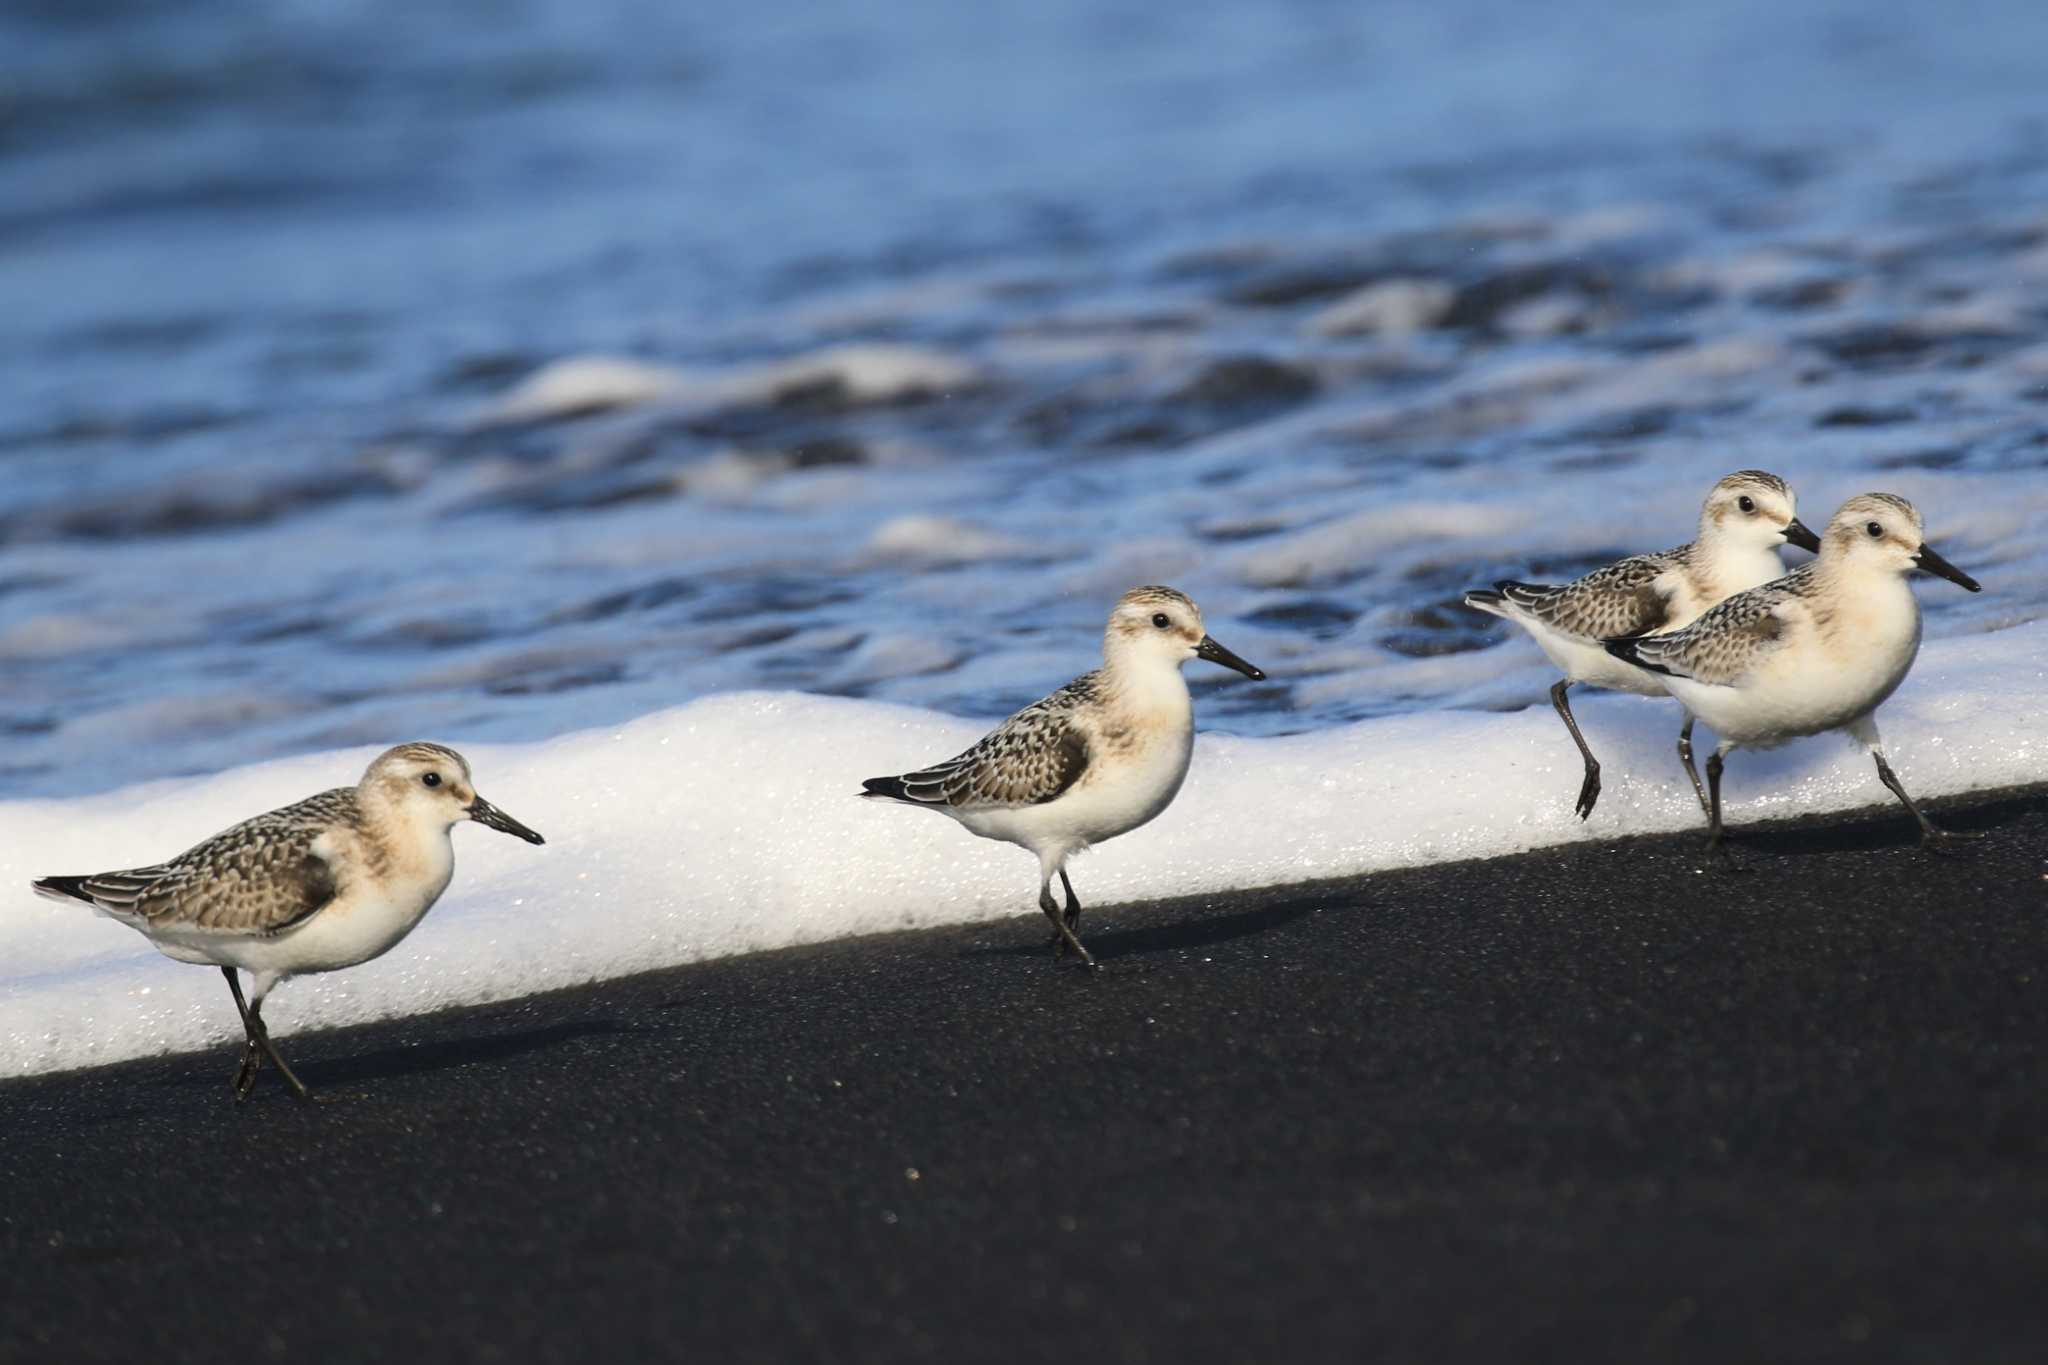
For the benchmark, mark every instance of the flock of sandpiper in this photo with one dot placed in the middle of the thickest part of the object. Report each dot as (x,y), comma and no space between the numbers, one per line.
(1762,656)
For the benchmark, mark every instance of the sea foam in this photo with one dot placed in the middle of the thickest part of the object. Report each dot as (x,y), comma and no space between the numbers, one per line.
(731,824)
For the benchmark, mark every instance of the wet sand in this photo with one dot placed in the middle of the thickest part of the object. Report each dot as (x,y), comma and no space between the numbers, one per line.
(1586,1103)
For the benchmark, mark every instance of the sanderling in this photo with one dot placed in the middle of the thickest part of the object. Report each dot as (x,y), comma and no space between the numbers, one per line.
(1746,517)
(1819,649)
(1096,759)
(328,882)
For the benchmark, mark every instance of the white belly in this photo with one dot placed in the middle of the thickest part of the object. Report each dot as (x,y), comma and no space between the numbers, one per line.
(1587,662)
(1805,691)
(366,921)
(1121,790)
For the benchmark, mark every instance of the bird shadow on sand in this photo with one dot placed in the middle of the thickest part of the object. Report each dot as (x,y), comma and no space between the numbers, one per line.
(1878,828)
(1178,936)
(443,1054)
(451,1053)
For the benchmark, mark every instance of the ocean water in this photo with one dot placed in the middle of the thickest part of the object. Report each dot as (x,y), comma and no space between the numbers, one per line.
(527,373)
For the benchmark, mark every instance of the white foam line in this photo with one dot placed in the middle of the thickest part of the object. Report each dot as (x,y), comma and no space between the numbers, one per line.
(730,824)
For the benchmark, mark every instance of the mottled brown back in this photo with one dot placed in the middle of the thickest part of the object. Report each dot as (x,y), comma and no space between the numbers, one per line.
(260,877)
(1032,757)
(1621,599)
(1730,639)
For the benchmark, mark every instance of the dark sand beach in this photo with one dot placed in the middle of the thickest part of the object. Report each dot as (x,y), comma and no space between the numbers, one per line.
(1584,1103)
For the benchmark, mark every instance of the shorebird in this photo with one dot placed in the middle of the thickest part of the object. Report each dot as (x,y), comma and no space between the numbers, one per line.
(325,883)
(1096,759)
(1819,649)
(1746,517)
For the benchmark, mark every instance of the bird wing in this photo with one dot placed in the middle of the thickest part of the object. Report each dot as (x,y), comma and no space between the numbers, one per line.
(1728,642)
(260,877)
(1031,758)
(1627,597)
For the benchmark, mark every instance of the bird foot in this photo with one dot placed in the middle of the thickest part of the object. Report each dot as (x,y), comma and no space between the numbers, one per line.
(1589,795)
(1065,945)
(245,1075)
(1720,859)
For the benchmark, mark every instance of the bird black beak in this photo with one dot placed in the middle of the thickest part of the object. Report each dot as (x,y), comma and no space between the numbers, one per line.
(1796,533)
(1217,654)
(1935,564)
(484,813)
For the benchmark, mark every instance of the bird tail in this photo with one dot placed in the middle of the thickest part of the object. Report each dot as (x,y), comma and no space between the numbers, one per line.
(70,890)
(1628,649)
(887,788)
(1505,598)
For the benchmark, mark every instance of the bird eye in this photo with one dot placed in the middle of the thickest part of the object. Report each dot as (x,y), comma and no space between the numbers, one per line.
(1875,530)
(1746,503)
(1161,619)
(430,779)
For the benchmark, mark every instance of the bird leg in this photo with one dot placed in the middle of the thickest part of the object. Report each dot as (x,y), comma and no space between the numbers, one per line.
(1064,939)
(1073,919)
(252,1056)
(1931,834)
(1714,830)
(258,1046)
(1589,790)
(1685,757)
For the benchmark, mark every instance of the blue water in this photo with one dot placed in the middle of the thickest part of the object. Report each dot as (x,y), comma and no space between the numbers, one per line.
(268,271)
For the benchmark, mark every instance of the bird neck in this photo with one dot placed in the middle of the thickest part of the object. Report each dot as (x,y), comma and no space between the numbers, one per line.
(1858,573)
(1147,686)
(1871,602)
(400,825)
(1726,564)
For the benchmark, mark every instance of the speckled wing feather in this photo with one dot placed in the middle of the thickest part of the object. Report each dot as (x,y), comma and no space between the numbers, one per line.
(260,877)
(1727,642)
(1031,758)
(1621,599)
